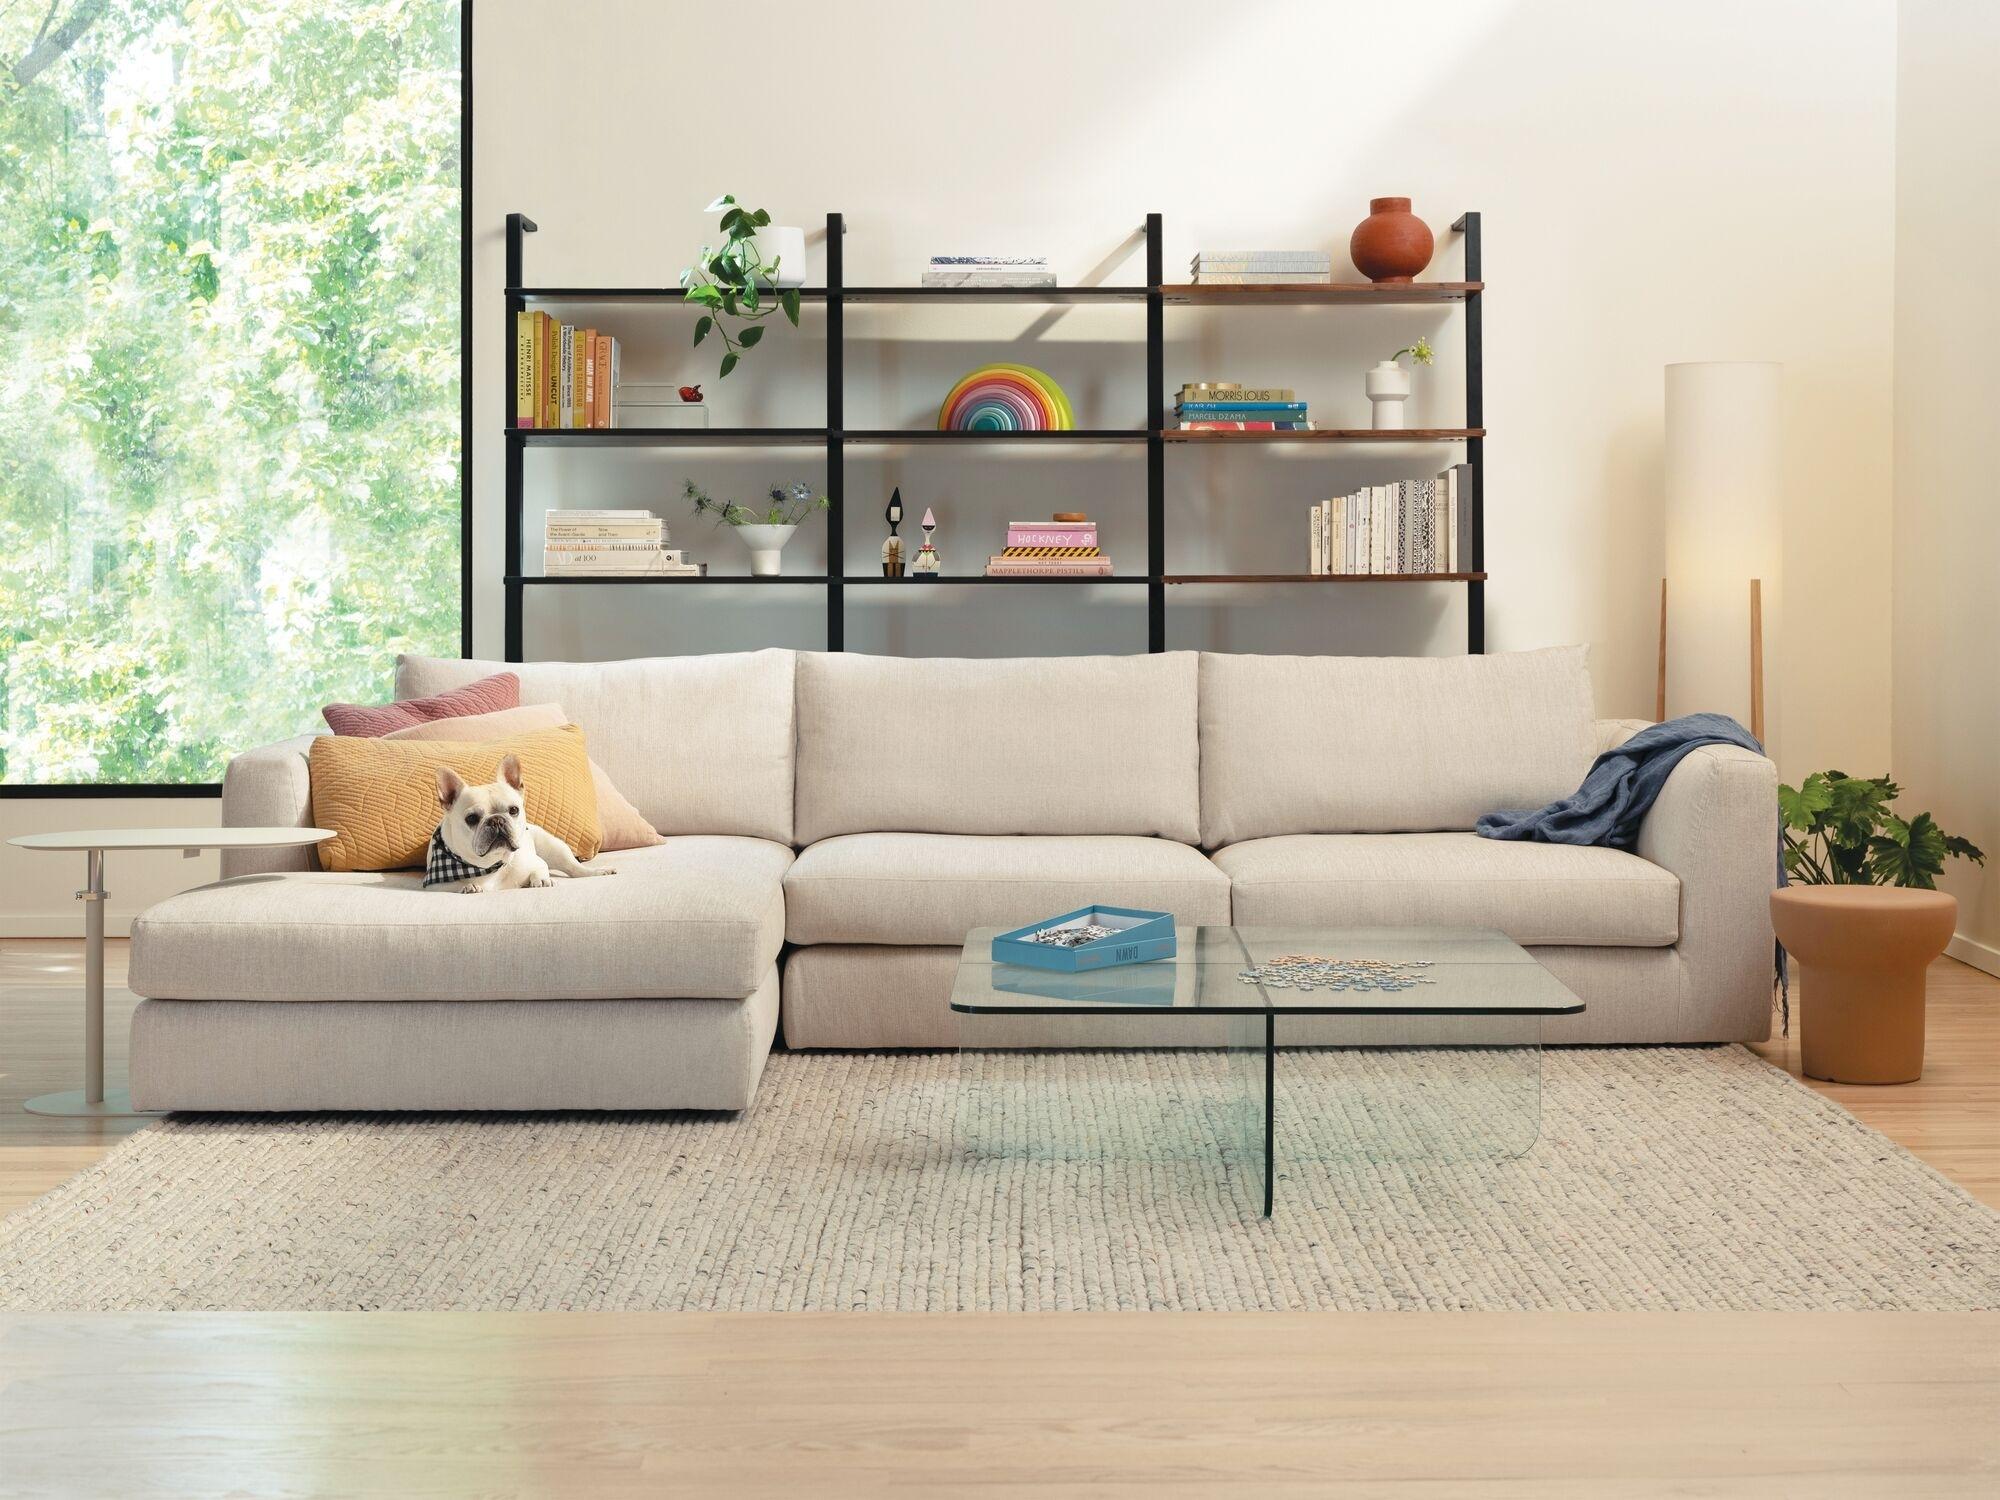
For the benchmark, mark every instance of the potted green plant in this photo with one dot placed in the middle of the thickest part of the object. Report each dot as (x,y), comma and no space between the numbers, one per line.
(736,287)
(764,530)
(1864,919)
(1388,385)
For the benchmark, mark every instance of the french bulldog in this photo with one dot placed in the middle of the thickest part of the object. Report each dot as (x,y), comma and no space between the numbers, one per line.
(488,844)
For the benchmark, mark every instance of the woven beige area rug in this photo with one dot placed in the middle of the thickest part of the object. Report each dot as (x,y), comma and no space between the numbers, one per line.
(1661,1178)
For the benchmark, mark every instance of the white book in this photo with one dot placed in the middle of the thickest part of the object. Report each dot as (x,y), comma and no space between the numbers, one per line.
(606,515)
(1310,260)
(1450,509)
(1262,278)
(1315,556)
(954,277)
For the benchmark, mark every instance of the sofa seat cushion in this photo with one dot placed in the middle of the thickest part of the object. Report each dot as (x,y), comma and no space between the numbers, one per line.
(932,888)
(1535,893)
(692,918)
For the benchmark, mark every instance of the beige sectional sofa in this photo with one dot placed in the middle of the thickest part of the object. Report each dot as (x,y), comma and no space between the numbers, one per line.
(836,823)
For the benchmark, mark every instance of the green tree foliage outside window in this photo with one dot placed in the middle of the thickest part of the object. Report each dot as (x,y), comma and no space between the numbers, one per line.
(230,469)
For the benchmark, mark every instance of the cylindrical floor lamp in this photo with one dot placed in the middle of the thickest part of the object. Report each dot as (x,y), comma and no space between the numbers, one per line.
(1724,498)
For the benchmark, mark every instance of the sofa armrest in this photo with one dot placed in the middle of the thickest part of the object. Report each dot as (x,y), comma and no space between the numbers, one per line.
(1611,733)
(1715,826)
(269,787)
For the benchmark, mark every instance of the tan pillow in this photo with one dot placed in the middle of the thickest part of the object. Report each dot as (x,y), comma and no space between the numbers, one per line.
(624,826)
(379,796)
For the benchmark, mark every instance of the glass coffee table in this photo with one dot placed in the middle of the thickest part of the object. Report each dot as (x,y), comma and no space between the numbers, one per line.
(1412,1043)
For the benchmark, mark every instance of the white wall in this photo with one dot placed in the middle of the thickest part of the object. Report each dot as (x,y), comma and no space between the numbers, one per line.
(1946,685)
(1714,182)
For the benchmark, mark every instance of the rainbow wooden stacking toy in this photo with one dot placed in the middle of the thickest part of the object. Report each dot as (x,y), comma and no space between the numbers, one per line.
(1006,398)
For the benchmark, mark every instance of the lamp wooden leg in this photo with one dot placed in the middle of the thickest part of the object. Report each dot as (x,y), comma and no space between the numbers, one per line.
(1660,694)
(1757,660)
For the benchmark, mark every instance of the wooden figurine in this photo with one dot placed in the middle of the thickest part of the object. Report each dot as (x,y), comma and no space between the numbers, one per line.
(927,563)
(892,549)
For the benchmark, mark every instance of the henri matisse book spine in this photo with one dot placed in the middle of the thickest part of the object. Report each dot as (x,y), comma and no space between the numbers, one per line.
(524,369)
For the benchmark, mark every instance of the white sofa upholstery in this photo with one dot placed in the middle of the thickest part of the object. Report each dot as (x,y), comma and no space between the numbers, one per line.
(844,820)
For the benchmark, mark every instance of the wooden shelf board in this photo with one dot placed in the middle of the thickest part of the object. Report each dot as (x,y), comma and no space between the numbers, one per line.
(1324,578)
(1324,294)
(647,437)
(1332,435)
(666,294)
(1028,295)
(954,579)
(897,435)
(571,580)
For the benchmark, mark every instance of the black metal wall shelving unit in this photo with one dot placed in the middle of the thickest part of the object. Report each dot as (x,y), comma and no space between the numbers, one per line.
(1156,296)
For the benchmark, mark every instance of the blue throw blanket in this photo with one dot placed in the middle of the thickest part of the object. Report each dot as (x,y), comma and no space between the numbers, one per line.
(1620,789)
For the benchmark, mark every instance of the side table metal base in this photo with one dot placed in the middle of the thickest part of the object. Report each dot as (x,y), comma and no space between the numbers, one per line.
(116,1105)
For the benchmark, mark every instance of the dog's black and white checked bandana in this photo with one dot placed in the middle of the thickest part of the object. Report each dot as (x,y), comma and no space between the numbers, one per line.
(442,867)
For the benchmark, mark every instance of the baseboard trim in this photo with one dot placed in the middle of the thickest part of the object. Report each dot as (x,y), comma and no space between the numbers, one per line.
(65,924)
(1979,955)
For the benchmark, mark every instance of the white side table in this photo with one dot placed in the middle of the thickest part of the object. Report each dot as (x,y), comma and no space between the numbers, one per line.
(91,1099)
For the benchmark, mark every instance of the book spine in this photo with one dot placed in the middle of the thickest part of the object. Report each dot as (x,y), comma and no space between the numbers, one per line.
(579,393)
(634,543)
(595,513)
(608,530)
(600,406)
(1032,536)
(1242,410)
(1309,260)
(565,371)
(524,369)
(1205,426)
(1262,278)
(1317,547)
(588,416)
(551,370)
(1234,395)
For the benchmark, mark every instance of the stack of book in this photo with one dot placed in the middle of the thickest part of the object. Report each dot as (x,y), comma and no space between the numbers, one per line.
(989,271)
(565,377)
(1262,267)
(1050,549)
(1224,406)
(1413,526)
(611,544)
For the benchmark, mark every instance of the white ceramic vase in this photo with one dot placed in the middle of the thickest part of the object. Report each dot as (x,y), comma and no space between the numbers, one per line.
(1388,387)
(767,548)
(787,246)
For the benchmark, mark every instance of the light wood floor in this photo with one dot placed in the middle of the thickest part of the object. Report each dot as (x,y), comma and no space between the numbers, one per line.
(1520,1405)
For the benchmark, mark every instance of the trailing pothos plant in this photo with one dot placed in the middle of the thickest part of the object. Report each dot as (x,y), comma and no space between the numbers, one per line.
(1839,831)
(735,286)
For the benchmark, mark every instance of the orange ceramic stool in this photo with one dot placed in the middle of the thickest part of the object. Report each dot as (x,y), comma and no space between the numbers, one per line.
(1860,953)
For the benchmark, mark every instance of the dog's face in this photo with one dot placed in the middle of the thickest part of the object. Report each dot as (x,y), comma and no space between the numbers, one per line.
(483,824)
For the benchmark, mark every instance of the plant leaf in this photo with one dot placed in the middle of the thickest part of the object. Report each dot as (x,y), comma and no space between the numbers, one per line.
(790,302)
(1908,854)
(749,336)
(701,327)
(761,218)
(728,364)
(1801,805)
(720,203)
(1959,848)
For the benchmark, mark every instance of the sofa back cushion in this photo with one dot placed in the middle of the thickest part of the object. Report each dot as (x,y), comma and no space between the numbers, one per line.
(699,744)
(1068,744)
(1364,744)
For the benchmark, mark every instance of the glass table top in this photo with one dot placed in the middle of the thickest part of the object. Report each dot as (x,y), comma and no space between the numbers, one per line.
(1360,971)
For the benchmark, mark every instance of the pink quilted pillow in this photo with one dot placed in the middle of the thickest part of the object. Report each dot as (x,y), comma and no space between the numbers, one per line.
(366,721)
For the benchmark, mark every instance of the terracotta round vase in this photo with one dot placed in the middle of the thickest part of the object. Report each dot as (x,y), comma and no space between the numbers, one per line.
(1861,952)
(1391,244)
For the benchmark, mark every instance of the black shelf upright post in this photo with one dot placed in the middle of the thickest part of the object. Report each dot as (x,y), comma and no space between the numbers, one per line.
(1156,446)
(1475,448)
(518,227)
(836,437)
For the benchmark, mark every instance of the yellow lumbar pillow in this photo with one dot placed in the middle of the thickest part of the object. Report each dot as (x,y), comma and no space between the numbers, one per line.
(380,796)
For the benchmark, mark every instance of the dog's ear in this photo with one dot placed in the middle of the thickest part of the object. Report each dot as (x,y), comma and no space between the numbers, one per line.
(450,784)
(510,771)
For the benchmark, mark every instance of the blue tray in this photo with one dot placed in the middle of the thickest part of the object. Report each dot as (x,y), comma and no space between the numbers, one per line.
(1142,937)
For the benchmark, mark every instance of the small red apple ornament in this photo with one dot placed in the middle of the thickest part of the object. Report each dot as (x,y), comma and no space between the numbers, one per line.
(690,393)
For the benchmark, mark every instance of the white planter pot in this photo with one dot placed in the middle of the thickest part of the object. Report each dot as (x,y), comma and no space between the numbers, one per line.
(1388,387)
(767,548)
(787,246)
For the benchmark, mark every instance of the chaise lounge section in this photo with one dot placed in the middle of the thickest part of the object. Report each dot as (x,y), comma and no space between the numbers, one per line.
(844,820)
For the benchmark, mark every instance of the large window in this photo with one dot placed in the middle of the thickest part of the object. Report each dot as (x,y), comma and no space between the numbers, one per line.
(230,464)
